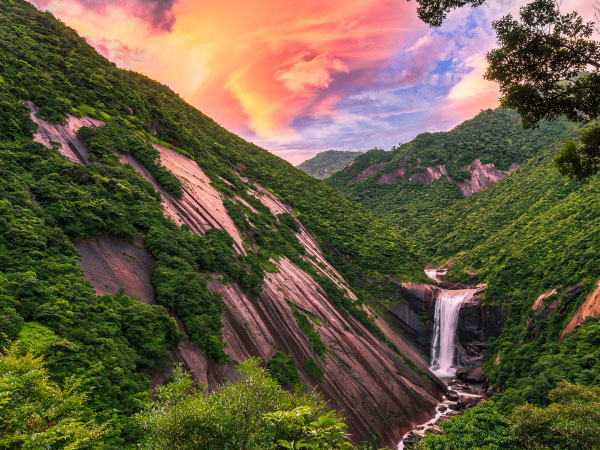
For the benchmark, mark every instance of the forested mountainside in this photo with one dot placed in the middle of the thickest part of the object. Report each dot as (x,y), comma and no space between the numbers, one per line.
(324,164)
(411,184)
(534,239)
(109,180)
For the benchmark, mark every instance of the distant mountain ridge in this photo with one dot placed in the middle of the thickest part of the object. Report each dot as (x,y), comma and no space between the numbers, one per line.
(327,163)
(409,185)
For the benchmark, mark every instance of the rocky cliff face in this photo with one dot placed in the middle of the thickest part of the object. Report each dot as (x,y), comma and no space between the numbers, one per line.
(589,308)
(476,323)
(374,387)
(481,175)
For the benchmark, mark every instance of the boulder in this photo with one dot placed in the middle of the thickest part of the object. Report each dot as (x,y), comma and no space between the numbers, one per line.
(410,439)
(434,430)
(442,419)
(468,402)
(460,373)
(452,396)
(476,375)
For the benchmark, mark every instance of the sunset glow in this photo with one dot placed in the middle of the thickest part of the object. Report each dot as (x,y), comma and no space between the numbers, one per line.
(301,77)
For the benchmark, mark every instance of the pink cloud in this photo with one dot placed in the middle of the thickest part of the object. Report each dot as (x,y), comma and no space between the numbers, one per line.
(307,73)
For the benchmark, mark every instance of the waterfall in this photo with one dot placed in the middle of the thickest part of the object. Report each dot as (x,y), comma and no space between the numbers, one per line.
(447,308)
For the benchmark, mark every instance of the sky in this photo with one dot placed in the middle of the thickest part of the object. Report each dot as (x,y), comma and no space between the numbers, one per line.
(301,76)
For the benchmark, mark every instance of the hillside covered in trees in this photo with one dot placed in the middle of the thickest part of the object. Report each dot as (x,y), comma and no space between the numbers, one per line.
(325,164)
(121,166)
(411,184)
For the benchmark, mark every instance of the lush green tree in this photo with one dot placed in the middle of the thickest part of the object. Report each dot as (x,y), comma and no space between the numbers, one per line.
(570,422)
(38,414)
(298,429)
(481,428)
(282,368)
(434,12)
(547,65)
(252,413)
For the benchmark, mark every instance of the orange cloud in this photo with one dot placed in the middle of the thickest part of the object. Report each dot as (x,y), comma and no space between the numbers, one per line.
(250,65)
(308,73)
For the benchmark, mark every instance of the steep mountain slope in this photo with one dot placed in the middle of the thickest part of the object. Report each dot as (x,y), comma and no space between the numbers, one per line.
(411,184)
(108,170)
(325,164)
(534,239)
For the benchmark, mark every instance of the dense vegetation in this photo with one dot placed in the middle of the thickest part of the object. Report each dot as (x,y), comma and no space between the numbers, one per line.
(527,235)
(571,421)
(251,414)
(325,164)
(494,136)
(36,413)
(114,342)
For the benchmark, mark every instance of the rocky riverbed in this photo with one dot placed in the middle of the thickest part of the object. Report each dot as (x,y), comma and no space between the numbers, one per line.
(458,399)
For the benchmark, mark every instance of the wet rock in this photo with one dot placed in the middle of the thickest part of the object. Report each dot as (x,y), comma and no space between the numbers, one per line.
(419,303)
(452,396)
(460,373)
(476,375)
(453,406)
(442,408)
(442,420)
(410,439)
(434,430)
(468,402)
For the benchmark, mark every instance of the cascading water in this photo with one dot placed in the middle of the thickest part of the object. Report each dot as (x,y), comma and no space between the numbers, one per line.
(447,308)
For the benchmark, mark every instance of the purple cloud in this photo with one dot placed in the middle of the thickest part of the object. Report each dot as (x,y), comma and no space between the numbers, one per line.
(157,13)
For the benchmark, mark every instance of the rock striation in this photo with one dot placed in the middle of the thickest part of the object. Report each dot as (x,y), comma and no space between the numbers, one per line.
(372,385)
(481,175)
(589,308)
(69,145)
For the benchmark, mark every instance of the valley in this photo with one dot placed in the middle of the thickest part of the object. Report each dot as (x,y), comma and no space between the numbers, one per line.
(165,283)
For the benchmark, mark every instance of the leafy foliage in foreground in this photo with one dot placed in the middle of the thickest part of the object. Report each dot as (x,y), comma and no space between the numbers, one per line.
(252,413)
(36,413)
(570,422)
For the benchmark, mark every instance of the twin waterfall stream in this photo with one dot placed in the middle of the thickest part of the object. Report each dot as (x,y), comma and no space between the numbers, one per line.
(444,360)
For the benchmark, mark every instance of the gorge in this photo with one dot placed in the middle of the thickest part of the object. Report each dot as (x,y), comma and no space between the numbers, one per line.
(182,287)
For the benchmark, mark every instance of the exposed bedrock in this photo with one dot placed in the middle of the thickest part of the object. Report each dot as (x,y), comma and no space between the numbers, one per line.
(415,316)
(481,175)
(589,308)
(369,171)
(70,146)
(477,323)
(372,385)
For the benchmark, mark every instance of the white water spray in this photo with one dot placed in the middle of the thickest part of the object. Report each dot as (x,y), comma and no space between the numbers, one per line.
(447,308)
